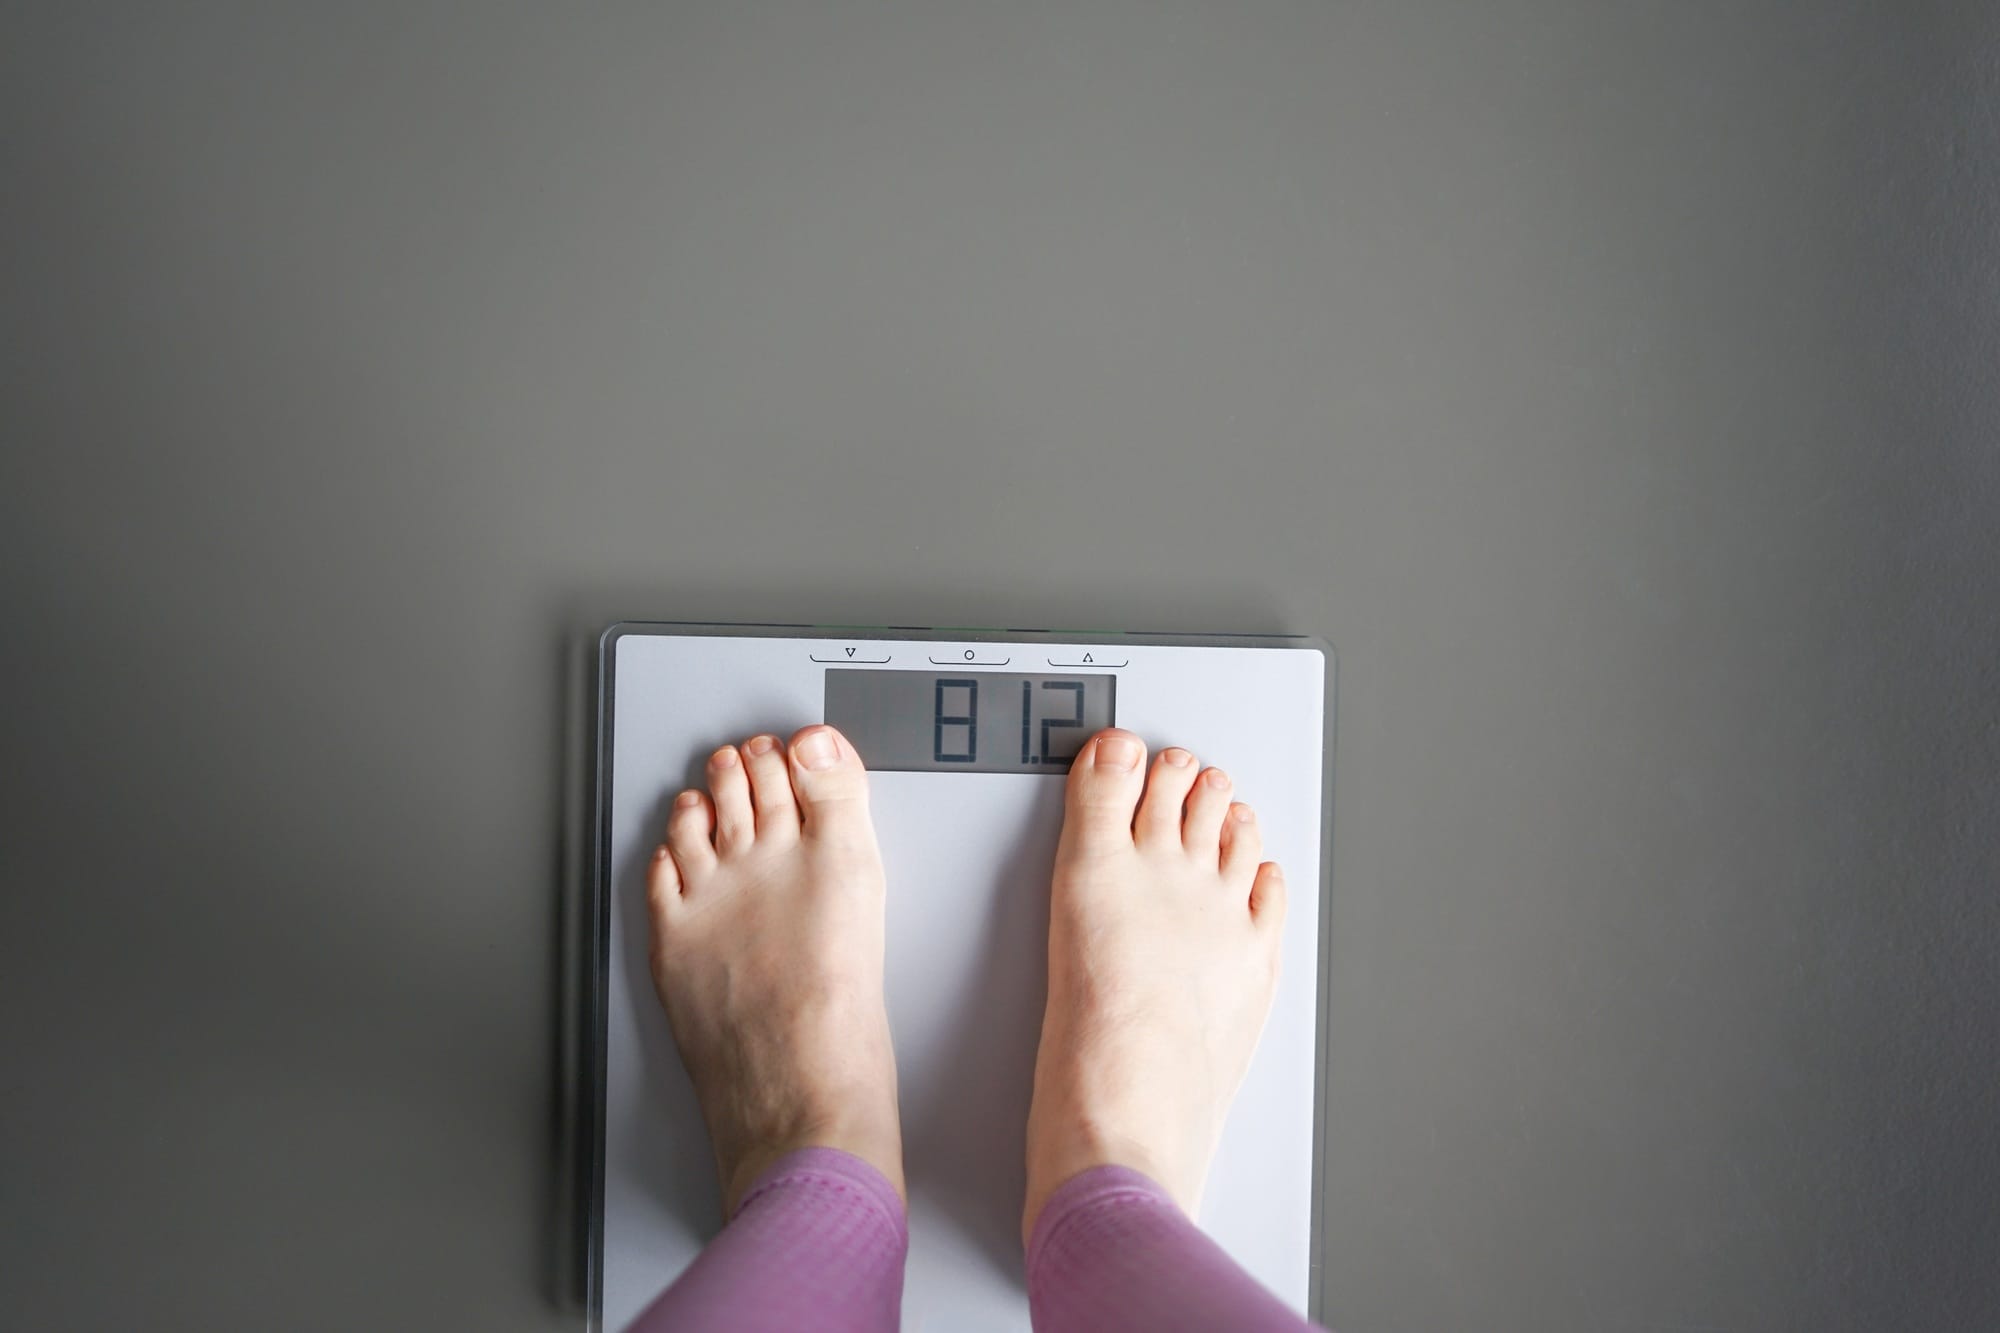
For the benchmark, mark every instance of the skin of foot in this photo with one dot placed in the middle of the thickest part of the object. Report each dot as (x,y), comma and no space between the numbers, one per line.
(1163,959)
(766,902)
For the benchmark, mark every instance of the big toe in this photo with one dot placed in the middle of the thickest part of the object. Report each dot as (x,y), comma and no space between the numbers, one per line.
(827,774)
(1104,786)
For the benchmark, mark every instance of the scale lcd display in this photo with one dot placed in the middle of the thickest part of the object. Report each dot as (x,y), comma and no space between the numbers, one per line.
(947,721)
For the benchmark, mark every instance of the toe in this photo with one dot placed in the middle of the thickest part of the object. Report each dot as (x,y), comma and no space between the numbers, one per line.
(663,883)
(1242,845)
(735,817)
(1201,830)
(691,837)
(771,788)
(1104,786)
(830,783)
(1159,817)
(1267,896)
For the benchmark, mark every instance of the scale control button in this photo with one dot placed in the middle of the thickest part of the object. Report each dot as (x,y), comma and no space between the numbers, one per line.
(970,657)
(848,655)
(1089,660)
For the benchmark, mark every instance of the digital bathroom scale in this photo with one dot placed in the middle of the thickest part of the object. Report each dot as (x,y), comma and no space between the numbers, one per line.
(967,735)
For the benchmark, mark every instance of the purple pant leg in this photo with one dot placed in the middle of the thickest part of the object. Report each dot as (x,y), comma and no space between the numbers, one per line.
(818,1242)
(1112,1253)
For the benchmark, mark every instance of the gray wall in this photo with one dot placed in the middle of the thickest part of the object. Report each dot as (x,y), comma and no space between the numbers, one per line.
(1614,384)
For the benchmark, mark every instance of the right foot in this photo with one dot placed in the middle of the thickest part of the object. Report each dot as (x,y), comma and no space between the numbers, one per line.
(1163,959)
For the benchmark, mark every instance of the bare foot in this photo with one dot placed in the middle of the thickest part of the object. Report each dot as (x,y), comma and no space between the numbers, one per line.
(1163,958)
(767,912)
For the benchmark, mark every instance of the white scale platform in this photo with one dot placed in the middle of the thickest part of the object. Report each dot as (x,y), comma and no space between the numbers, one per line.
(968,856)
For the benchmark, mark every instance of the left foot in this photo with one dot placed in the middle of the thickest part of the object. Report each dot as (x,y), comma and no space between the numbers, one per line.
(767,934)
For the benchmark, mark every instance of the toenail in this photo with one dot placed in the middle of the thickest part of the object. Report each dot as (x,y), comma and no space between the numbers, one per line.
(1217,778)
(1178,757)
(660,852)
(1117,752)
(816,749)
(723,758)
(1244,814)
(760,744)
(688,800)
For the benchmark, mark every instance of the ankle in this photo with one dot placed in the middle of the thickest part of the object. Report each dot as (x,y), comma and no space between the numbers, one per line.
(874,1146)
(1084,1147)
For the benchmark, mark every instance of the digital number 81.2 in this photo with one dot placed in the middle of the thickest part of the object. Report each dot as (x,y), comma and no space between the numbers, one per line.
(953,715)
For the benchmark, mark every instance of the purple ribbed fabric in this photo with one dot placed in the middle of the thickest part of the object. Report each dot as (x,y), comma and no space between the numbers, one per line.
(1112,1253)
(818,1242)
